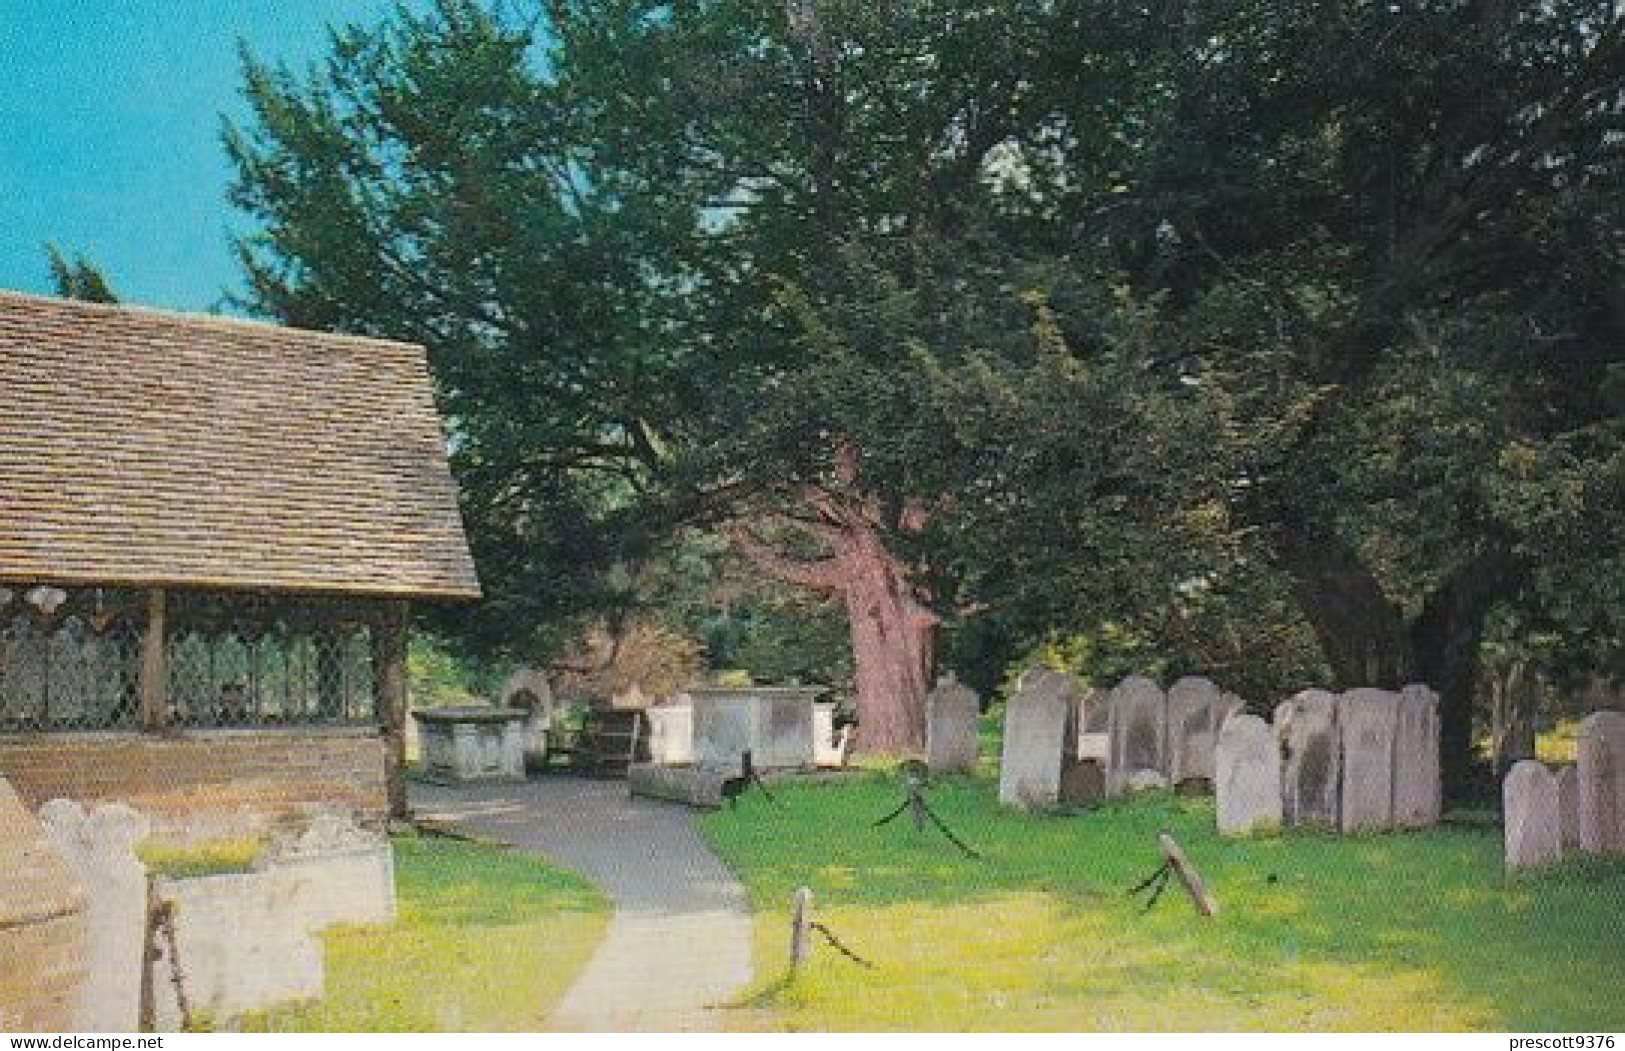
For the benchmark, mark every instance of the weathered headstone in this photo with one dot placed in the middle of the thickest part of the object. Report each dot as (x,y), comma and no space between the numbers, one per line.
(1366,720)
(42,926)
(828,750)
(1195,710)
(1139,733)
(1530,808)
(671,732)
(1568,809)
(1602,783)
(529,691)
(1039,740)
(952,743)
(99,845)
(336,871)
(1312,768)
(1247,781)
(1417,790)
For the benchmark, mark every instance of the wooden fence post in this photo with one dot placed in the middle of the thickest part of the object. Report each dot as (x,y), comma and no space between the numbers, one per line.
(801,928)
(1188,875)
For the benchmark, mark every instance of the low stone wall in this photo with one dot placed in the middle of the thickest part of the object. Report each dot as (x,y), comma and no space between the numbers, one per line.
(206,785)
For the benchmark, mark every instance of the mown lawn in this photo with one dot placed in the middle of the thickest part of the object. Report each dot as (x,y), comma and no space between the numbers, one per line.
(487,941)
(1401,931)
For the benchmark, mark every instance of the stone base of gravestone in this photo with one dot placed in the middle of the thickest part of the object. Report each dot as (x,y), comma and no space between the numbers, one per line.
(1367,720)
(1247,777)
(1083,782)
(1601,774)
(1039,740)
(952,728)
(99,845)
(1531,819)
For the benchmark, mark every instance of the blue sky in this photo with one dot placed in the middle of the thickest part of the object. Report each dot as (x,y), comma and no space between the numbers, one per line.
(109,133)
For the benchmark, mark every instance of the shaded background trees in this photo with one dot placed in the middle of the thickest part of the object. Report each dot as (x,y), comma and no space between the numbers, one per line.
(1276,343)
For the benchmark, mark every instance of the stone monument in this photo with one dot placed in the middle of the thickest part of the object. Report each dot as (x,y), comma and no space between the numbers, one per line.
(1040,734)
(1139,735)
(1530,808)
(1247,778)
(952,727)
(1601,773)
(1367,720)
(1312,772)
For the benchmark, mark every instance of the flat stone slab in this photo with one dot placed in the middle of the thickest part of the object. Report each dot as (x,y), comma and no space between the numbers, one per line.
(693,785)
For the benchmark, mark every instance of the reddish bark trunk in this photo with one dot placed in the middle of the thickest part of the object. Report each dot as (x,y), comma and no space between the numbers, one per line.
(892,637)
(892,630)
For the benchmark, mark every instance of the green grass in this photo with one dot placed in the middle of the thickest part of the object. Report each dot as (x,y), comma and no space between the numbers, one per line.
(1402,931)
(211,858)
(487,941)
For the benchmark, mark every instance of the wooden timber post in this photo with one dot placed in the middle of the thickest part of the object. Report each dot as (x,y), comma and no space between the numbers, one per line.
(801,928)
(1205,902)
(389,685)
(155,663)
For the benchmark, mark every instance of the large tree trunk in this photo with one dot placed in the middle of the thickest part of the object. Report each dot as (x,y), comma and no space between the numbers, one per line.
(1514,705)
(892,629)
(1367,641)
(892,642)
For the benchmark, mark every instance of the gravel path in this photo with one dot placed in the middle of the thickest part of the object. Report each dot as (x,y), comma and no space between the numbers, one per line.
(680,940)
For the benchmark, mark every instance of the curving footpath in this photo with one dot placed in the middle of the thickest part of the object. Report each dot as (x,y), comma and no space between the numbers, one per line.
(680,940)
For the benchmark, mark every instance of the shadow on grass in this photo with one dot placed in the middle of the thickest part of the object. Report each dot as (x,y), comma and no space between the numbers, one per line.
(1421,925)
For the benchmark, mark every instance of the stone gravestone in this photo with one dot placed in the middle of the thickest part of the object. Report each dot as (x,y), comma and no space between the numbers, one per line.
(1568,809)
(1247,777)
(952,712)
(1139,735)
(1039,740)
(336,871)
(1602,783)
(1367,720)
(1417,791)
(42,927)
(671,732)
(1530,807)
(529,691)
(1195,712)
(99,845)
(1312,768)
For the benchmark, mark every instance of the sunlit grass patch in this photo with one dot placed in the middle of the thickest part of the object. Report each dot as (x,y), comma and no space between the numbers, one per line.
(1401,931)
(487,940)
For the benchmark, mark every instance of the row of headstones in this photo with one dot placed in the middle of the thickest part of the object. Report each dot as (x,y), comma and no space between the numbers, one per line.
(1065,744)
(1365,759)
(1360,760)
(1578,809)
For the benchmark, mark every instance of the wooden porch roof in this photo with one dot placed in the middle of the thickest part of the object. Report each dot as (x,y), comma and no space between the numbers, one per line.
(139,447)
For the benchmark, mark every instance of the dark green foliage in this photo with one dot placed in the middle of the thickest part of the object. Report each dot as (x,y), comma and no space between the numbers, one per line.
(79,279)
(1282,340)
